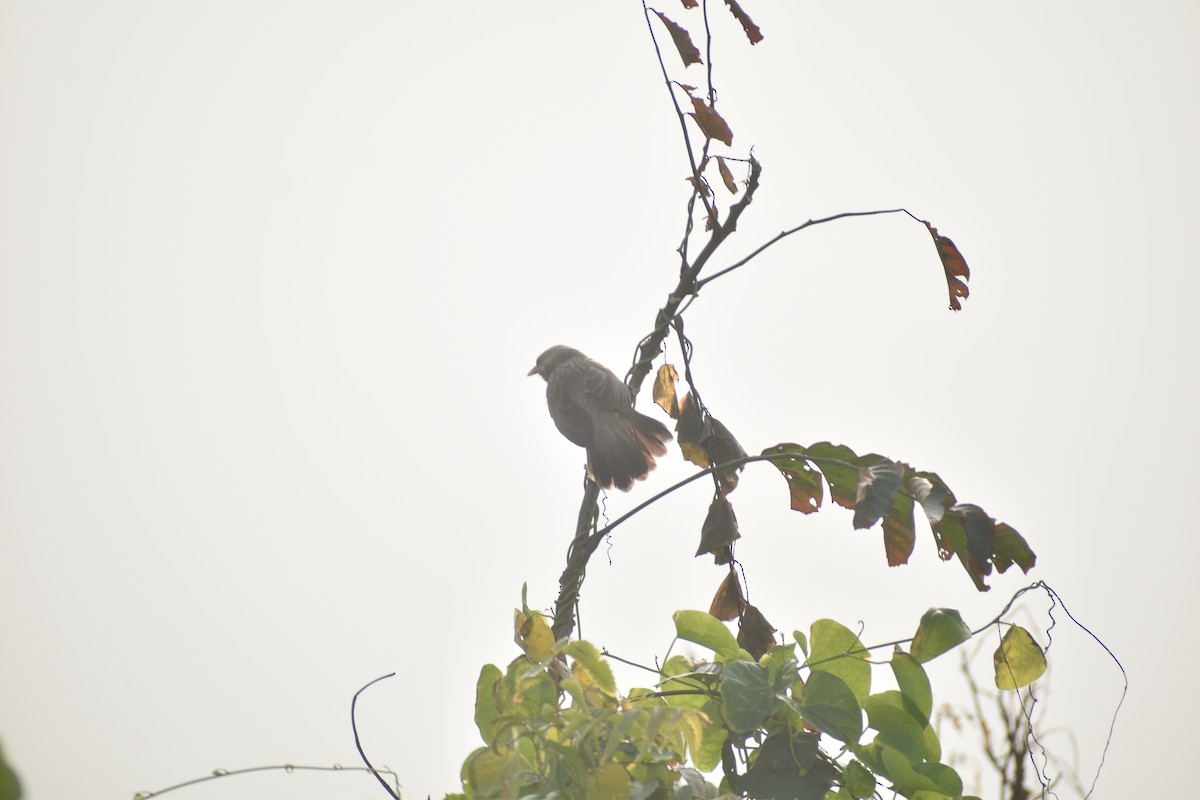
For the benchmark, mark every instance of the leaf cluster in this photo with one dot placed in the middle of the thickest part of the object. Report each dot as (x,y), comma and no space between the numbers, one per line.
(799,723)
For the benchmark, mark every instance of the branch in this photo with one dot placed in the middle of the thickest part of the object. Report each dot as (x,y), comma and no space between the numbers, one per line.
(797,229)
(358,744)
(230,773)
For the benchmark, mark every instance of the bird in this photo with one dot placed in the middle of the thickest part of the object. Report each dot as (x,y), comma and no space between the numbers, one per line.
(593,408)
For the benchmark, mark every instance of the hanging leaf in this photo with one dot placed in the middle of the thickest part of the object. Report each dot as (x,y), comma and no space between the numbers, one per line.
(729,602)
(683,42)
(664,390)
(1019,661)
(899,532)
(719,530)
(954,265)
(690,3)
(1011,548)
(803,481)
(690,430)
(877,485)
(941,629)
(755,635)
(723,448)
(836,462)
(752,32)
(726,176)
(711,124)
(785,766)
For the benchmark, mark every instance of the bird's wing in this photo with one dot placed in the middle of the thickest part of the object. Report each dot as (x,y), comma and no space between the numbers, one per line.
(580,389)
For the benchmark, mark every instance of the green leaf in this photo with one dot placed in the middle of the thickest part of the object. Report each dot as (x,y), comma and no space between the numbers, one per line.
(842,477)
(877,485)
(10,784)
(858,781)
(803,481)
(801,641)
(786,768)
(709,756)
(747,696)
(706,630)
(486,710)
(1019,661)
(1011,548)
(830,705)
(914,686)
(924,777)
(941,629)
(896,728)
(586,655)
(836,650)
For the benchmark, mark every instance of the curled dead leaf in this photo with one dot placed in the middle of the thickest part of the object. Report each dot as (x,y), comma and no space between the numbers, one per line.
(752,32)
(683,42)
(955,266)
(711,124)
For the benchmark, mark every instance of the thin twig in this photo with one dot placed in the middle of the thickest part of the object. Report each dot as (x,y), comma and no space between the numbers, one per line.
(358,744)
(797,229)
(230,773)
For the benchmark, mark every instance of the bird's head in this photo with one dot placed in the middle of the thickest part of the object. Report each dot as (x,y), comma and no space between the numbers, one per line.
(553,358)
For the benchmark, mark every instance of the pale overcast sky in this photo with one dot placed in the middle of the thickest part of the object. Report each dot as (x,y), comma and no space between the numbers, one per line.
(272,274)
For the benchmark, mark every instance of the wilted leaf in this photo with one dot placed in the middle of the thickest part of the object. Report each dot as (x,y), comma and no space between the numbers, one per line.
(723,448)
(664,390)
(726,176)
(899,533)
(941,629)
(712,125)
(755,634)
(720,528)
(1019,661)
(690,3)
(954,265)
(691,429)
(803,481)
(729,602)
(683,42)
(588,657)
(1011,548)
(534,636)
(752,32)
(877,485)
(842,477)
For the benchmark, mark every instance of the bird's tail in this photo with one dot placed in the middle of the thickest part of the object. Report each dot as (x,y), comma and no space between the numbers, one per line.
(624,447)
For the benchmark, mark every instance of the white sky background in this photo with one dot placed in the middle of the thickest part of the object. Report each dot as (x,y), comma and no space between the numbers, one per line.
(272,274)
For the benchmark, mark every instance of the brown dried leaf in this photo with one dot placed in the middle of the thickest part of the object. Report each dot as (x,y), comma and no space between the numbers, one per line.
(755,635)
(752,32)
(727,176)
(690,3)
(691,430)
(955,266)
(712,125)
(729,602)
(683,42)
(664,390)
(720,529)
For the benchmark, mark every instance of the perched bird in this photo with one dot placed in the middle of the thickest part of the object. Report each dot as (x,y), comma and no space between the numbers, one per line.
(594,409)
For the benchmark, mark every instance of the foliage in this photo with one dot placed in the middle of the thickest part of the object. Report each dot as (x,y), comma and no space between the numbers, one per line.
(554,725)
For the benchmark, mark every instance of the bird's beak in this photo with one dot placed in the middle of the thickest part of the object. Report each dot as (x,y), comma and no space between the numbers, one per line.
(533,371)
